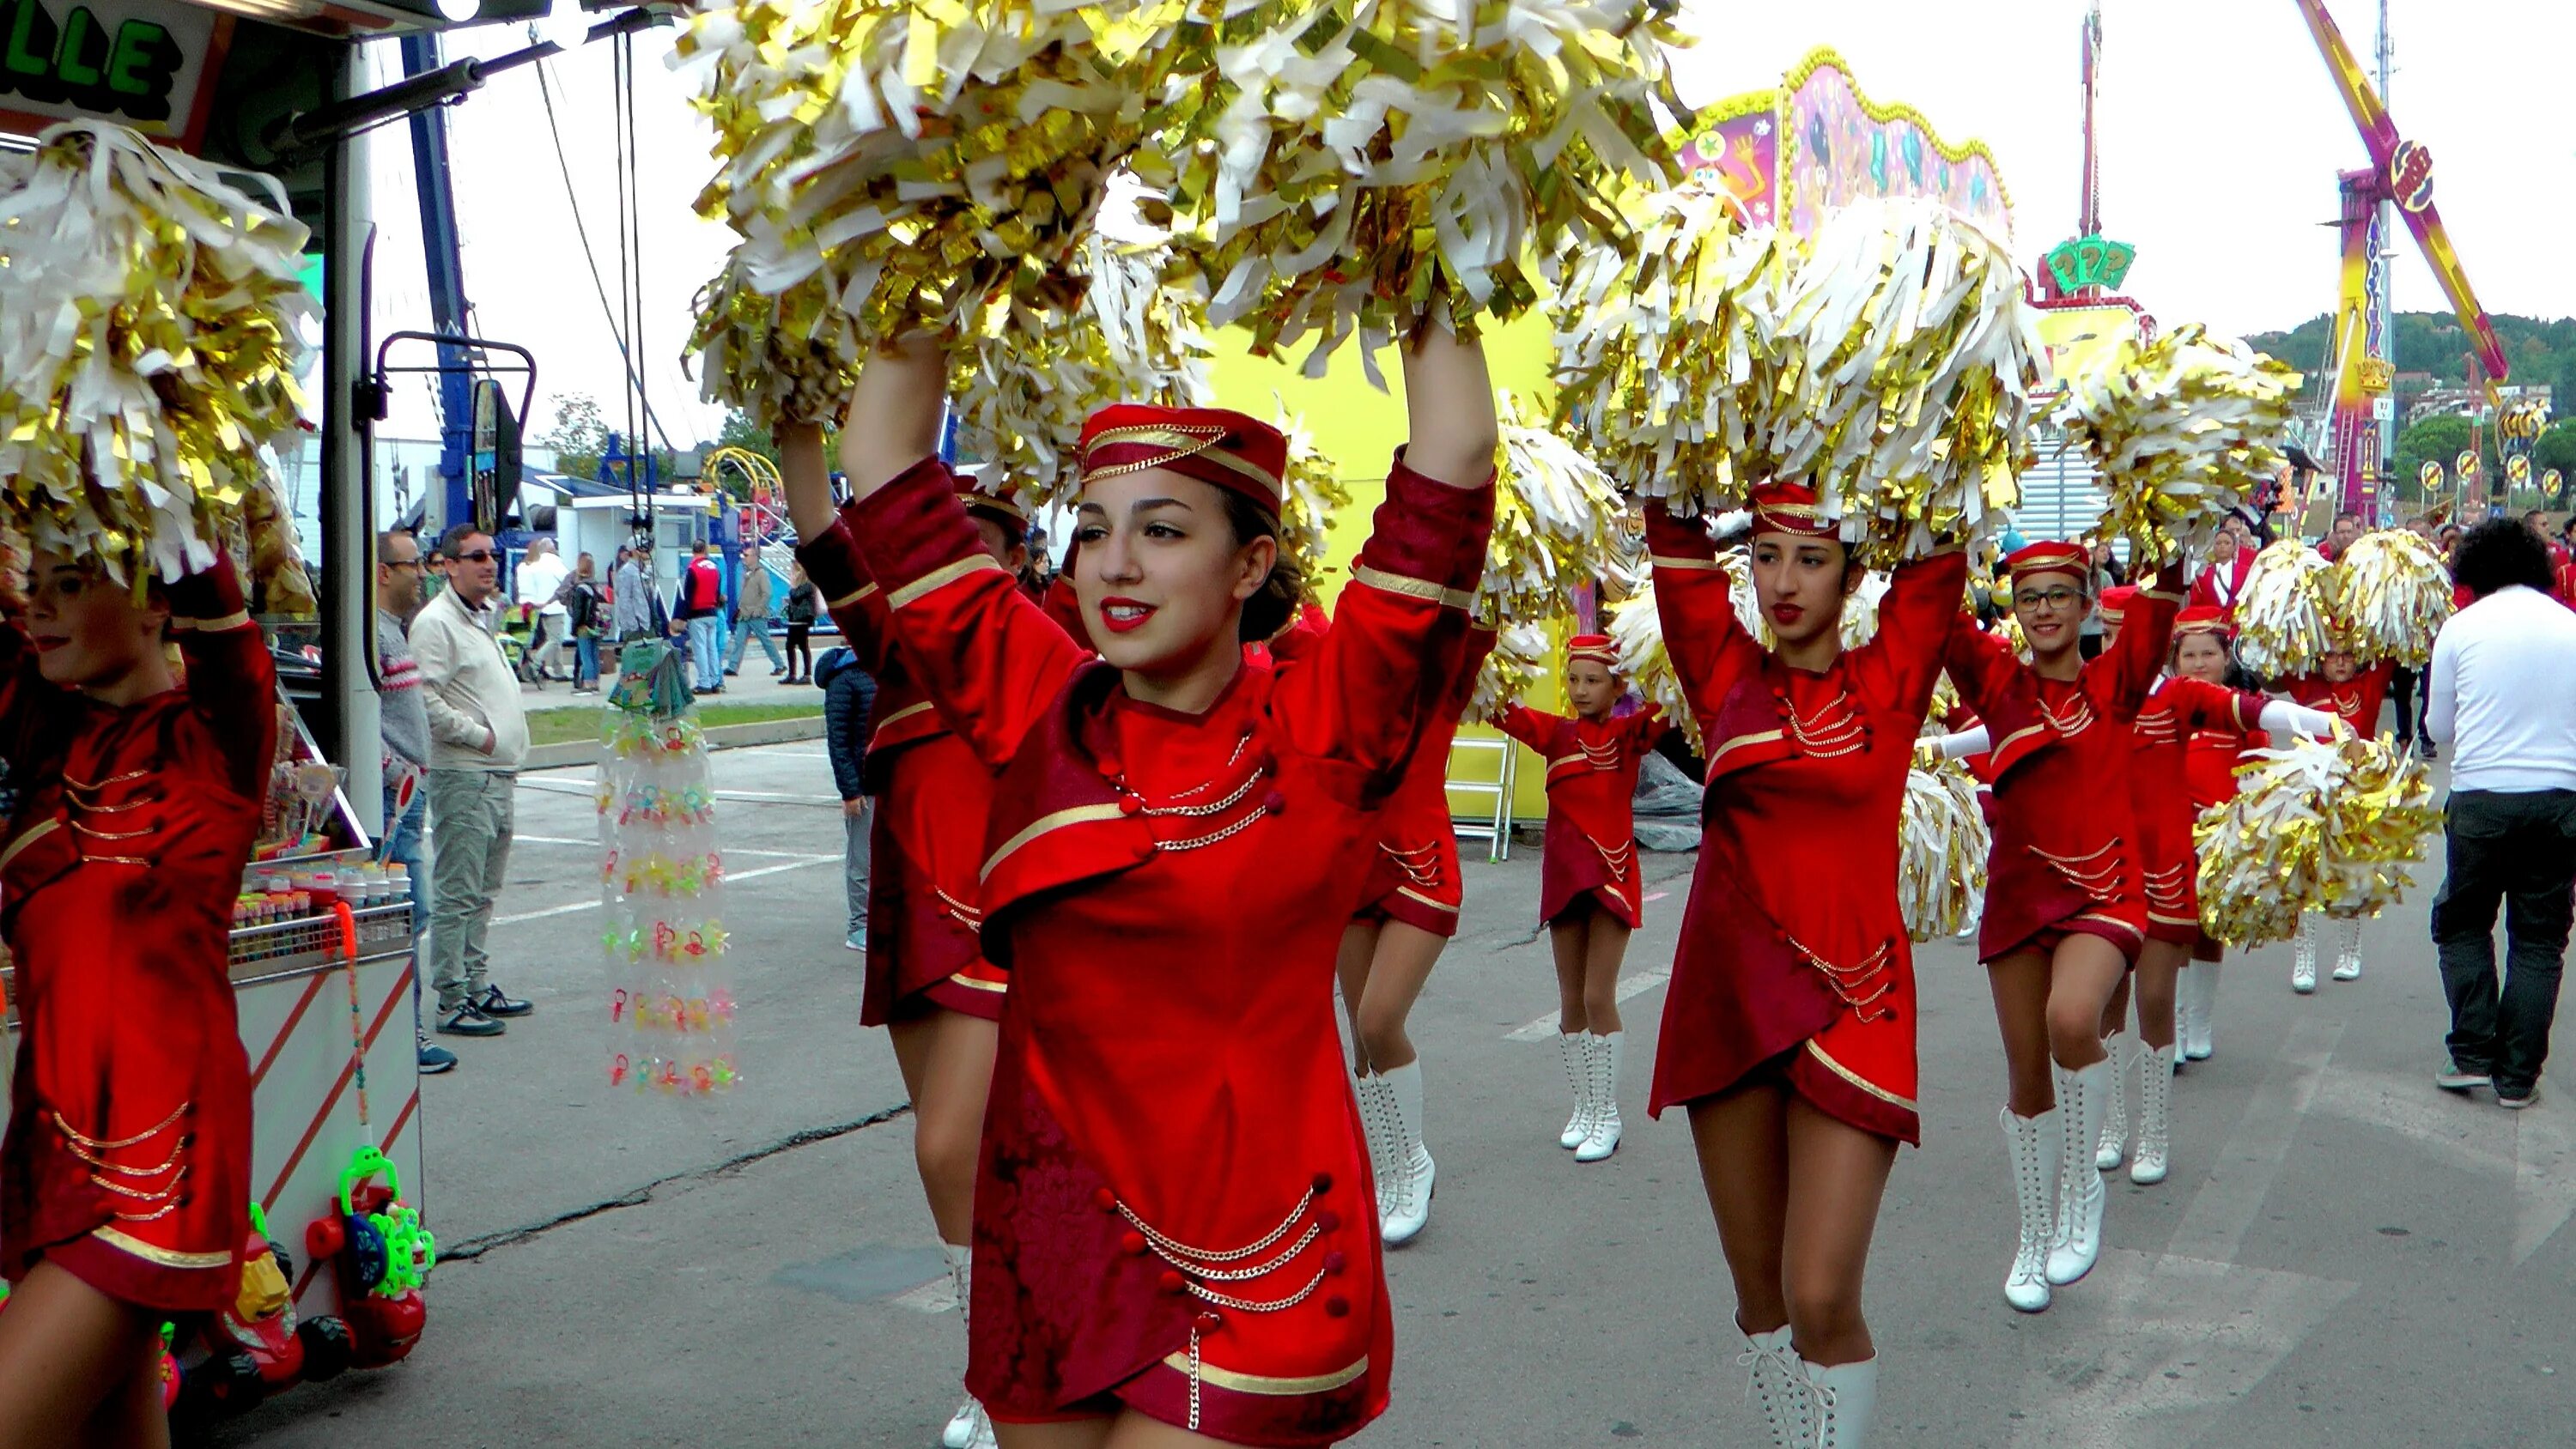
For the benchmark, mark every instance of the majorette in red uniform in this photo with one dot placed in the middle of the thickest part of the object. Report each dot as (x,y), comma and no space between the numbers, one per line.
(1408,909)
(1172,1216)
(927,843)
(1591,885)
(2066,908)
(2181,709)
(2343,688)
(2221,581)
(127,1160)
(1791,1006)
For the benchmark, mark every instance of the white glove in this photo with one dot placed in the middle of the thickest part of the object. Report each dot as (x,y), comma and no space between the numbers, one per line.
(2315,724)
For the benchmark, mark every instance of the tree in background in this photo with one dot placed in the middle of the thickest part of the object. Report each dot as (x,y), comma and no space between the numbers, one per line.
(2439,440)
(2556,449)
(579,435)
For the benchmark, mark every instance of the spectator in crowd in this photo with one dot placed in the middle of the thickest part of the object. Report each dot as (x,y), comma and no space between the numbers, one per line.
(2504,698)
(404,722)
(849,706)
(585,612)
(751,616)
(478,739)
(701,615)
(2347,527)
(433,574)
(2231,557)
(542,576)
(799,614)
(2107,574)
(631,597)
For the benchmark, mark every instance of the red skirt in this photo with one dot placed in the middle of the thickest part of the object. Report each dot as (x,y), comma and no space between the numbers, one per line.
(127,1159)
(1576,873)
(2034,900)
(923,950)
(1744,1007)
(1075,1317)
(1418,883)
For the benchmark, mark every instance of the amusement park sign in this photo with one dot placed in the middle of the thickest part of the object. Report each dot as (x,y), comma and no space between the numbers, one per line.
(147,63)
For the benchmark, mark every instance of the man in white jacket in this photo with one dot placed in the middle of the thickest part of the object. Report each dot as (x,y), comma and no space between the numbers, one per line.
(478,738)
(541,580)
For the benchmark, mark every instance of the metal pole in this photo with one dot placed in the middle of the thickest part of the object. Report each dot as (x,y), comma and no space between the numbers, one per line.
(349,727)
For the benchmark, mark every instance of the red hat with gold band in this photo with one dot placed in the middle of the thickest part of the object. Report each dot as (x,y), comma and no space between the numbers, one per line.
(1599,648)
(2115,600)
(1013,518)
(1789,508)
(2201,619)
(2053,557)
(1228,450)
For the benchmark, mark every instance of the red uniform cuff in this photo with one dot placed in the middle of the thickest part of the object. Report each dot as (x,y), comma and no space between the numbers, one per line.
(833,565)
(1677,541)
(913,535)
(210,598)
(1427,538)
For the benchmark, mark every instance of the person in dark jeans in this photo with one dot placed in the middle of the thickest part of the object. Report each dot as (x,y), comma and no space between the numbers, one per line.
(849,705)
(799,614)
(2503,695)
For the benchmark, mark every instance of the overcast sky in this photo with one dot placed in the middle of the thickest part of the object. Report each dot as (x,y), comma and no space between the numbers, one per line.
(2222,134)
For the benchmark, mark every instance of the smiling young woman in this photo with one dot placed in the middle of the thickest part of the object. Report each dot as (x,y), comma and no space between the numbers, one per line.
(928,982)
(1174,1242)
(2066,910)
(1788,1028)
(125,1174)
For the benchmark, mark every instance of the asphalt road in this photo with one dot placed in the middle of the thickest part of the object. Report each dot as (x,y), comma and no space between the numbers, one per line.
(2343,1255)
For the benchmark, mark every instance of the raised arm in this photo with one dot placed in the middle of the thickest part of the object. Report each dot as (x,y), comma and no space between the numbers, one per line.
(1400,637)
(1534,728)
(830,552)
(896,411)
(2137,658)
(1994,682)
(985,652)
(232,682)
(1449,407)
(1695,599)
(1915,617)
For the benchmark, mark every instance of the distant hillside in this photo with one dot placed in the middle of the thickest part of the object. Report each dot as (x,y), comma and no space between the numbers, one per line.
(2434,342)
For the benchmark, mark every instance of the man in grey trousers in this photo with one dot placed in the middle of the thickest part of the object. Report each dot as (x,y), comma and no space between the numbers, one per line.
(478,739)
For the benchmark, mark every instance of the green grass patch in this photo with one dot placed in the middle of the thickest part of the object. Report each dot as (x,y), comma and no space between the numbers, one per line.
(581,722)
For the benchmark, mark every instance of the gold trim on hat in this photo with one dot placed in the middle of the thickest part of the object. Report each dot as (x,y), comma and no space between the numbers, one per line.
(1184,441)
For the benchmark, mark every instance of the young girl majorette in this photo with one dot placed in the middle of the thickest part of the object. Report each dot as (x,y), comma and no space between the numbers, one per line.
(1408,911)
(2184,706)
(1590,893)
(1173,1236)
(2353,694)
(1788,1028)
(125,1173)
(927,980)
(2065,909)
(2203,651)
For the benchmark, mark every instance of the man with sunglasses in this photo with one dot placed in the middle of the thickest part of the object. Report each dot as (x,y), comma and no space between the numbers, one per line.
(478,739)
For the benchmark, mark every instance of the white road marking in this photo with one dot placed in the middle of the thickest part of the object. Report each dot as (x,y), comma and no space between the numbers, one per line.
(2242,1173)
(2544,1177)
(593,843)
(2153,1350)
(1636,984)
(579,906)
(939,1295)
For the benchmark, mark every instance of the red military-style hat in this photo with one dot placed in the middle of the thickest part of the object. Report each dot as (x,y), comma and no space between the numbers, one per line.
(2201,619)
(2115,600)
(1789,508)
(1596,647)
(1228,450)
(2053,557)
(1013,518)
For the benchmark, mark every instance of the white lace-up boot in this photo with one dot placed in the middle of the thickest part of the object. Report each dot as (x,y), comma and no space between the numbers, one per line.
(1408,1161)
(2034,1143)
(1778,1386)
(2347,965)
(2303,955)
(2155,1115)
(1846,1397)
(2199,1006)
(1569,1049)
(2080,1194)
(2113,1149)
(1602,1051)
(962,1425)
(1375,1123)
